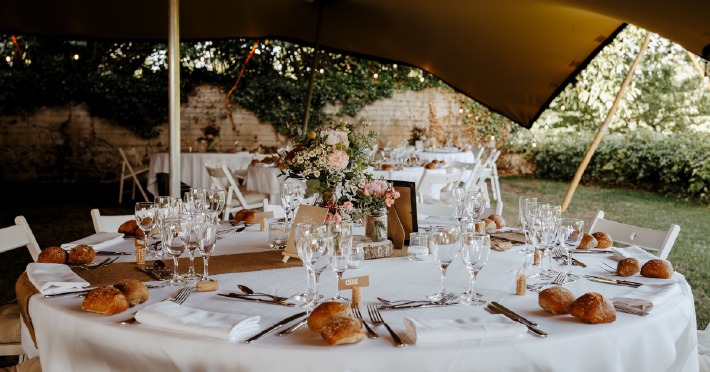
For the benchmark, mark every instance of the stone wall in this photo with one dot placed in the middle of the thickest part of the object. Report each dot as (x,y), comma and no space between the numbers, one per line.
(68,145)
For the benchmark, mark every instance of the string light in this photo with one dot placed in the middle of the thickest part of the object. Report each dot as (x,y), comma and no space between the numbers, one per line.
(460,111)
(493,138)
(421,79)
(534,144)
(8,59)
(375,75)
(76,57)
(322,71)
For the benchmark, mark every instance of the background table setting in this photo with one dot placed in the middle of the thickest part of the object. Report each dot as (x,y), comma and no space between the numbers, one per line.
(71,339)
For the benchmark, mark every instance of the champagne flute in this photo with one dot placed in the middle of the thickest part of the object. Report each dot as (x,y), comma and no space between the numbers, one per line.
(342,232)
(199,196)
(198,226)
(475,249)
(445,244)
(207,247)
(315,252)
(176,237)
(214,202)
(523,218)
(146,216)
(571,232)
(166,209)
(301,233)
(458,198)
(475,203)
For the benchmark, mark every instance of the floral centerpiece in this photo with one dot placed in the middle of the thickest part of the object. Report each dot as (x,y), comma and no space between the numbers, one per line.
(373,199)
(418,134)
(332,160)
(210,136)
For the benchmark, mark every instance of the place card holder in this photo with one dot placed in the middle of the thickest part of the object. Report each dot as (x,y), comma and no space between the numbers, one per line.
(354,284)
(261,218)
(305,214)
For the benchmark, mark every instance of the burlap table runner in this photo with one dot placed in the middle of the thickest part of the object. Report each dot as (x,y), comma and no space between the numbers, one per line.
(113,273)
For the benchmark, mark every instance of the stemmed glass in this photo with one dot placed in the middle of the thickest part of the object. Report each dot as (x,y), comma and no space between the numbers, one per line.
(571,231)
(315,252)
(475,204)
(207,247)
(199,196)
(198,226)
(291,195)
(445,244)
(215,201)
(458,198)
(523,218)
(168,207)
(543,230)
(342,233)
(146,216)
(301,234)
(176,234)
(475,249)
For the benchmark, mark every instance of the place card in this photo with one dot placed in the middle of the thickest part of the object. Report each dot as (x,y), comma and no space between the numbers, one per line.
(305,214)
(355,284)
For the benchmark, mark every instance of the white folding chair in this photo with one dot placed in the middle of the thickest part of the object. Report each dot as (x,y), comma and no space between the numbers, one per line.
(488,173)
(658,241)
(13,237)
(237,196)
(469,172)
(277,209)
(108,223)
(434,179)
(131,167)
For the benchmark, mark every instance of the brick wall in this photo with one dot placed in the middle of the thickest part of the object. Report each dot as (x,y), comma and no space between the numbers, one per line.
(68,145)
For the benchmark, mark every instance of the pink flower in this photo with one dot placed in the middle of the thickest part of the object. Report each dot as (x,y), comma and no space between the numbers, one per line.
(338,159)
(333,137)
(347,205)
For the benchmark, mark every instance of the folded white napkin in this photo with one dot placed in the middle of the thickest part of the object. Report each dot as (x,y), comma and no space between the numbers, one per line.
(426,330)
(97,241)
(171,316)
(645,297)
(631,251)
(54,278)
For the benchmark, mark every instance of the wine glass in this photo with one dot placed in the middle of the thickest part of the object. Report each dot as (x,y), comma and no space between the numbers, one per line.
(166,206)
(475,249)
(176,236)
(523,218)
(207,247)
(342,232)
(475,203)
(215,201)
(291,195)
(571,231)
(445,244)
(458,198)
(198,225)
(315,252)
(199,197)
(543,229)
(301,233)
(146,216)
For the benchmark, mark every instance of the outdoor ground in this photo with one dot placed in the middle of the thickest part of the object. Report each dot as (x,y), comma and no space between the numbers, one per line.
(60,213)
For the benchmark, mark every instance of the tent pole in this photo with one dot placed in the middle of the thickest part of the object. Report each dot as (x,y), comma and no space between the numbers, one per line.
(698,68)
(605,124)
(174,96)
(314,67)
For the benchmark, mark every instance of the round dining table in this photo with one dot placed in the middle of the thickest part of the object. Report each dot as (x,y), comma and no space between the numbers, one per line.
(70,339)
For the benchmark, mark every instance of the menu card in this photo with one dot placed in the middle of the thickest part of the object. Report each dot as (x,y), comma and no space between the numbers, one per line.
(305,214)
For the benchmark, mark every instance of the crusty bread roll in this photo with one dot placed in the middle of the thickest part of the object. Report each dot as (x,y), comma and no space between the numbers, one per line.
(490,224)
(105,300)
(588,242)
(343,330)
(53,255)
(603,239)
(499,220)
(628,266)
(255,161)
(387,166)
(128,228)
(431,165)
(244,215)
(135,291)
(81,254)
(593,308)
(556,300)
(325,312)
(657,268)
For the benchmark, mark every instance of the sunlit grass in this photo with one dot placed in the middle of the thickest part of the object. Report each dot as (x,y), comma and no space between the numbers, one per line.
(691,252)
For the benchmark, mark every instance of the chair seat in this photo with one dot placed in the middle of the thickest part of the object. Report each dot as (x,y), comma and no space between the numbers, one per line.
(251,197)
(9,324)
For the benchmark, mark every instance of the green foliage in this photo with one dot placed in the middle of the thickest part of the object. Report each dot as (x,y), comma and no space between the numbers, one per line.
(675,165)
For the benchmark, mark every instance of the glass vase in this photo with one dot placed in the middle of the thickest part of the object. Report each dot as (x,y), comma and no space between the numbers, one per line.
(375,223)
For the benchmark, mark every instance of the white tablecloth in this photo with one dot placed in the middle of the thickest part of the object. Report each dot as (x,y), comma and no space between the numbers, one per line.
(665,340)
(192,167)
(447,155)
(266,180)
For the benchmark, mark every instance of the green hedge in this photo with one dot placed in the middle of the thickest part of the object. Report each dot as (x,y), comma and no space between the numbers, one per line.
(676,164)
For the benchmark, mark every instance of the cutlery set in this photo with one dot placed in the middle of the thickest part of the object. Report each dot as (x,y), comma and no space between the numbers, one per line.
(91,266)
(497,308)
(612,281)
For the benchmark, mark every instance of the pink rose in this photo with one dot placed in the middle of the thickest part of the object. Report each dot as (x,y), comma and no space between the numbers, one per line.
(338,159)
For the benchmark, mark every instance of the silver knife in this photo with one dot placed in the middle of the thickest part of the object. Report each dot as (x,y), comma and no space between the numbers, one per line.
(600,279)
(512,313)
(532,329)
(243,297)
(415,306)
(274,327)
(107,253)
(292,328)
(585,251)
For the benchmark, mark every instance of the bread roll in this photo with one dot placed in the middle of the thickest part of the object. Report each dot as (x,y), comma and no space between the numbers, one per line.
(430,166)
(657,268)
(325,312)
(244,215)
(499,220)
(82,254)
(588,242)
(556,300)
(343,330)
(593,308)
(53,255)
(255,161)
(490,224)
(135,291)
(603,239)
(628,266)
(128,228)
(387,167)
(105,300)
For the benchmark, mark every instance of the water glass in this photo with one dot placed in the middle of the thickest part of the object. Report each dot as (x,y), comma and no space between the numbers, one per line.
(418,249)
(445,243)
(278,234)
(475,249)
(357,256)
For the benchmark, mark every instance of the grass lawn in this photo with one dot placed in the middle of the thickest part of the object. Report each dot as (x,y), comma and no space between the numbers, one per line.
(691,253)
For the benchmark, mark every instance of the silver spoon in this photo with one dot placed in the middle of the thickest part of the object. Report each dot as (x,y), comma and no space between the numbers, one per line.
(249,291)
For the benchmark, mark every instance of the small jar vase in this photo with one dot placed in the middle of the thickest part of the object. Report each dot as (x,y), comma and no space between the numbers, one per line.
(375,223)
(212,145)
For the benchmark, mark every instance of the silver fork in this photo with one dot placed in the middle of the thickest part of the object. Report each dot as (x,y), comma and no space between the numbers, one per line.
(178,299)
(370,332)
(92,265)
(377,319)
